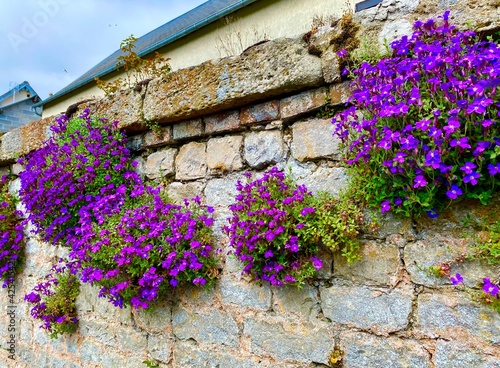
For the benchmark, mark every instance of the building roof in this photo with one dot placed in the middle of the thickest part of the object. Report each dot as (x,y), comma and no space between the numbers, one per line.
(25,85)
(177,28)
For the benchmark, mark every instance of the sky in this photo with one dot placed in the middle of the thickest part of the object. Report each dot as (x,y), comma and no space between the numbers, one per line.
(50,43)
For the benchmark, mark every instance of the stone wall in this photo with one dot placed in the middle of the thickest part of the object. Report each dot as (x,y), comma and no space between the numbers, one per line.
(218,120)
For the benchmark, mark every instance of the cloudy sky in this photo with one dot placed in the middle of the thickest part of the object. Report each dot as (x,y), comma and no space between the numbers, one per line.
(50,43)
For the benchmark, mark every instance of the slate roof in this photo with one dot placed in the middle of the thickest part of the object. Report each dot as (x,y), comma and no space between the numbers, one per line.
(177,28)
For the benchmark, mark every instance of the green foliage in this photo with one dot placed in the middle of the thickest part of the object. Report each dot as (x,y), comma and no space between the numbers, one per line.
(488,244)
(335,224)
(136,69)
(62,303)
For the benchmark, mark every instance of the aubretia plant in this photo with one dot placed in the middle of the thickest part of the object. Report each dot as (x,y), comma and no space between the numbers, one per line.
(54,300)
(422,129)
(11,234)
(83,161)
(141,250)
(277,228)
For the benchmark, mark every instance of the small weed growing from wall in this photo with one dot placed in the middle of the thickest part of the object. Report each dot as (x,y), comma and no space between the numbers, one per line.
(136,68)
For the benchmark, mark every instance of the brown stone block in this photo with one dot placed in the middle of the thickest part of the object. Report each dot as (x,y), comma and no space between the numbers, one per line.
(225,122)
(263,112)
(302,103)
(188,129)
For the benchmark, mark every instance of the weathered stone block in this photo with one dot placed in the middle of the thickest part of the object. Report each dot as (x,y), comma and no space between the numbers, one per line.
(214,328)
(15,169)
(154,321)
(453,314)
(445,247)
(160,163)
(219,85)
(289,299)
(378,264)
(18,142)
(224,122)
(330,66)
(339,93)
(224,153)
(264,148)
(160,138)
(190,354)
(313,139)
(380,310)
(288,340)
(124,106)
(191,162)
(188,129)
(130,339)
(244,294)
(302,103)
(160,347)
(330,179)
(259,113)
(178,191)
(453,354)
(366,350)
(221,192)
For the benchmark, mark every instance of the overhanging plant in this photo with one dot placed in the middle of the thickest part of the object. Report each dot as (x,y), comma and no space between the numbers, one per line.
(422,127)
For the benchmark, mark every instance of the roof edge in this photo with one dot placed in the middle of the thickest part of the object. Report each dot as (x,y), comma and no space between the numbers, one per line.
(194,27)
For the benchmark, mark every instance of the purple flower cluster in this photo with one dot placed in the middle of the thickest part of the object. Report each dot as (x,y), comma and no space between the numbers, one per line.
(266,230)
(11,234)
(423,125)
(124,236)
(83,161)
(54,300)
(143,246)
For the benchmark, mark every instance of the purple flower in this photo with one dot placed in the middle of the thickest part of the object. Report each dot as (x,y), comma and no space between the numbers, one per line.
(307,210)
(468,167)
(454,192)
(472,178)
(317,263)
(385,206)
(494,169)
(457,279)
(490,288)
(419,181)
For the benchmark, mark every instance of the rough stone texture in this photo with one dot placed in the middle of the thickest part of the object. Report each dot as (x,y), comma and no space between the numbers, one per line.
(449,354)
(302,103)
(259,113)
(452,314)
(380,310)
(313,139)
(221,84)
(303,302)
(330,66)
(292,341)
(152,139)
(339,93)
(160,163)
(382,271)
(223,154)
(244,294)
(364,350)
(178,191)
(125,106)
(20,141)
(188,129)
(190,354)
(210,328)
(224,122)
(191,162)
(264,148)
(221,192)
(329,179)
